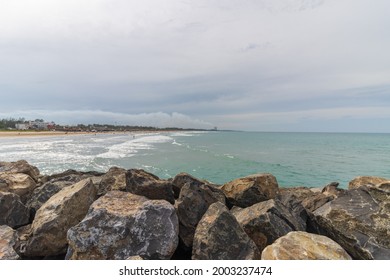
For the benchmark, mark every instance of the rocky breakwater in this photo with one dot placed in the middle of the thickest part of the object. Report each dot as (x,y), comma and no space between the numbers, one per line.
(132,214)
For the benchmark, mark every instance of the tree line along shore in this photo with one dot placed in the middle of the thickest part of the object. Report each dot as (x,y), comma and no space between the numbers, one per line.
(133,214)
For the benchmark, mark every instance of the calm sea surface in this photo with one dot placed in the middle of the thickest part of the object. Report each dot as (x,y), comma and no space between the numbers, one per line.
(306,159)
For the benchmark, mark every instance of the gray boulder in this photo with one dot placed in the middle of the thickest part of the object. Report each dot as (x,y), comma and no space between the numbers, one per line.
(266,221)
(113,180)
(142,183)
(218,236)
(120,225)
(193,202)
(13,212)
(359,220)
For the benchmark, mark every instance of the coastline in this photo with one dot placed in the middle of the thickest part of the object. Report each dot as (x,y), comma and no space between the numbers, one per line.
(21,134)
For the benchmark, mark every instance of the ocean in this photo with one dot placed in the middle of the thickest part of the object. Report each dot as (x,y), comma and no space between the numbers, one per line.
(295,159)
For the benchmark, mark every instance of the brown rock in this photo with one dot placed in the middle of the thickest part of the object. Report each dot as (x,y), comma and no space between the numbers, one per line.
(52,221)
(193,202)
(244,192)
(369,181)
(20,166)
(298,245)
(17,183)
(142,183)
(8,239)
(120,225)
(220,237)
(13,212)
(113,180)
(266,221)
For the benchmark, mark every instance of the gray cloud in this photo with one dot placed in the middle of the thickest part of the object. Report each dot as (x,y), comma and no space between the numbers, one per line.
(235,64)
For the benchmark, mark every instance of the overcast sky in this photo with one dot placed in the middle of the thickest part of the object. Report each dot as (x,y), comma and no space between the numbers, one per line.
(268,65)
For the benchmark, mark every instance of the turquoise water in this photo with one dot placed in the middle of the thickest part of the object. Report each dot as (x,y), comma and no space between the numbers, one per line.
(296,159)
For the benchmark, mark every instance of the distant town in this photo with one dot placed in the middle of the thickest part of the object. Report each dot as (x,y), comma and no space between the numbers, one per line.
(22,124)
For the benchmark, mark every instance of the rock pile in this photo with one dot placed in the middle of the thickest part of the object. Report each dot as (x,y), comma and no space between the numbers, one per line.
(133,214)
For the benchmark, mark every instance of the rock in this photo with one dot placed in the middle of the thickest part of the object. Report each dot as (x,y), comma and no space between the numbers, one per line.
(71,172)
(20,166)
(369,181)
(13,212)
(384,186)
(311,198)
(135,258)
(120,225)
(218,236)
(183,178)
(193,202)
(8,239)
(17,183)
(113,180)
(266,221)
(298,245)
(244,192)
(359,220)
(142,183)
(52,221)
(56,184)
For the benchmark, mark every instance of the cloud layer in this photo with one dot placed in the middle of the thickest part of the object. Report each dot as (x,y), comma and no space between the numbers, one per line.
(250,64)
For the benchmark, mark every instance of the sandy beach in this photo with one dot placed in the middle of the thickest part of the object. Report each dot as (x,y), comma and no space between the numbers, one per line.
(54,133)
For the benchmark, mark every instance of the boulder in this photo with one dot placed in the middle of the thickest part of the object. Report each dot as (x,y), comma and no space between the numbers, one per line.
(359,220)
(218,236)
(53,186)
(71,172)
(266,221)
(120,225)
(20,166)
(113,180)
(13,212)
(369,181)
(193,202)
(311,198)
(183,178)
(8,239)
(142,183)
(298,245)
(52,221)
(246,191)
(17,183)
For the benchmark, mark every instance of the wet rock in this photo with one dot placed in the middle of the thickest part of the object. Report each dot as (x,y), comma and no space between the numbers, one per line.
(300,245)
(359,220)
(218,236)
(369,181)
(193,202)
(13,212)
(18,183)
(113,180)
(266,221)
(8,239)
(246,191)
(20,166)
(120,225)
(52,221)
(142,183)
(183,178)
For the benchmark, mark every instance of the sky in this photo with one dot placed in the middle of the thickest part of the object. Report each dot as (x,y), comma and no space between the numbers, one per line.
(255,65)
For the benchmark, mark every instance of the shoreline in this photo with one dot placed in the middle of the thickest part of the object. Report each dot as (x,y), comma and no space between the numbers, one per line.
(24,134)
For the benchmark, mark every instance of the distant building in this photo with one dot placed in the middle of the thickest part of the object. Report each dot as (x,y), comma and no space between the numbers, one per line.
(21,126)
(41,125)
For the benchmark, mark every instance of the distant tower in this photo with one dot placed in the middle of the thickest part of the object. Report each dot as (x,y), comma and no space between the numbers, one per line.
(215,128)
